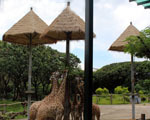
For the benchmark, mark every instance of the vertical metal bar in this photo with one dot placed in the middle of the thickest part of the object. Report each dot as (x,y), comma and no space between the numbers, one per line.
(29,76)
(132,86)
(88,60)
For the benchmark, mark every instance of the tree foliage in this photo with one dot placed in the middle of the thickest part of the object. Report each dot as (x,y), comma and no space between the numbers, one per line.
(139,45)
(119,74)
(14,69)
(102,91)
(121,90)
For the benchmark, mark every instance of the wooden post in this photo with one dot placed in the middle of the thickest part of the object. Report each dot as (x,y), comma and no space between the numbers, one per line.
(29,75)
(124,99)
(68,48)
(67,105)
(148,99)
(111,99)
(142,116)
(5,105)
(132,87)
(97,99)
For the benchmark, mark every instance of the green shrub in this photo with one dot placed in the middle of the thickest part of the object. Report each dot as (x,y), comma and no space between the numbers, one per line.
(118,90)
(125,90)
(141,92)
(126,98)
(121,90)
(99,91)
(105,91)
(143,98)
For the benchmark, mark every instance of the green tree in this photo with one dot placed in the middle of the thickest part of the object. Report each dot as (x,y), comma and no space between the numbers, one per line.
(106,91)
(14,69)
(99,91)
(121,90)
(119,74)
(118,90)
(139,45)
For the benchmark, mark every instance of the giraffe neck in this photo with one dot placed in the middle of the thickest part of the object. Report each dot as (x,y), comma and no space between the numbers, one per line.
(61,92)
(54,87)
(54,78)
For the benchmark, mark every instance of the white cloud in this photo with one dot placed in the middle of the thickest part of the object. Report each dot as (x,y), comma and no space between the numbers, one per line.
(111,17)
(131,12)
(121,57)
(61,45)
(81,65)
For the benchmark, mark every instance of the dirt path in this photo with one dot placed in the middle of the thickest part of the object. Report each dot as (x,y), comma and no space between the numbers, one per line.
(120,112)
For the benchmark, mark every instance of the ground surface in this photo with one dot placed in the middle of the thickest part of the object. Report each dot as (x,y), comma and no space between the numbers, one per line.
(123,112)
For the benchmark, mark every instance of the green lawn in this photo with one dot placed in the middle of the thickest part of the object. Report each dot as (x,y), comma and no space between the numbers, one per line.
(13,108)
(106,100)
(116,99)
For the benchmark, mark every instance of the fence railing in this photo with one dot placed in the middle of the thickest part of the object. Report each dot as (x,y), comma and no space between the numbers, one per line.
(8,109)
(4,106)
(120,98)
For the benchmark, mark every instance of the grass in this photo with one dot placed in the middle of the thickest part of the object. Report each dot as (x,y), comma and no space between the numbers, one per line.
(116,99)
(106,100)
(13,108)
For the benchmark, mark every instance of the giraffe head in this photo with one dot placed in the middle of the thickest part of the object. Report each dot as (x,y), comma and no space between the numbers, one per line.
(55,75)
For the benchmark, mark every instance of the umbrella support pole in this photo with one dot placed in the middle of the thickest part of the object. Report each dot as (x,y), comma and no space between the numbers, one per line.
(67,89)
(67,52)
(29,77)
(132,87)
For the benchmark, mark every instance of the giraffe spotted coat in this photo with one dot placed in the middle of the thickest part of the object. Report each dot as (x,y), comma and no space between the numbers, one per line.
(35,106)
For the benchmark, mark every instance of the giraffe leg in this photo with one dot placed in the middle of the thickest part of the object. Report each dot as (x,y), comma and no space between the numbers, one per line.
(59,117)
(72,115)
(98,117)
(93,117)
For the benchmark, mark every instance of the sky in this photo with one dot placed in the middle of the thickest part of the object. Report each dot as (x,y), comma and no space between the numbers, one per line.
(111,18)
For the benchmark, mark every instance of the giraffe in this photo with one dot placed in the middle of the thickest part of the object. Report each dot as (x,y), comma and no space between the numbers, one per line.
(54,109)
(77,103)
(80,104)
(95,112)
(34,107)
(80,98)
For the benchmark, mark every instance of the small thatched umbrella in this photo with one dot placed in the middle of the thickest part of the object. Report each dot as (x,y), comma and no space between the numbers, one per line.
(27,31)
(67,26)
(119,45)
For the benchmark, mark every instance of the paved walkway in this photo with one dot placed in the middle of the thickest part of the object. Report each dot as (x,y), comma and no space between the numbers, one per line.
(123,112)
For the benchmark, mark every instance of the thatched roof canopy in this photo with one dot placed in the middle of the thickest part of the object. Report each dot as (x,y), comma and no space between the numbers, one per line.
(30,24)
(67,21)
(120,43)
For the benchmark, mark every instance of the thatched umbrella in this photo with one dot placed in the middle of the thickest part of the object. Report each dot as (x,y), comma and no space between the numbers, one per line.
(67,26)
(26,32)
(119,45)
